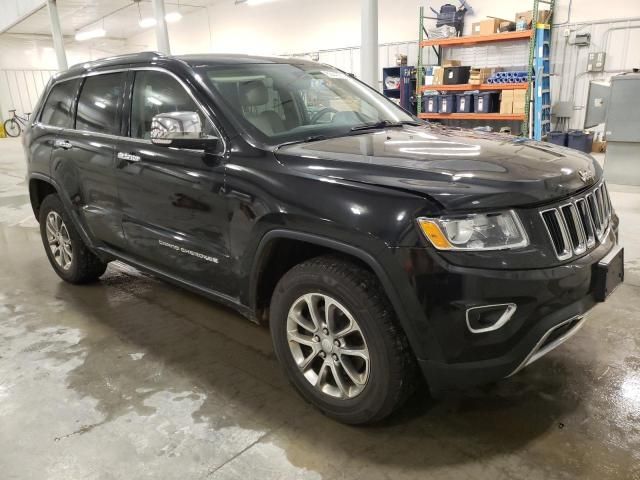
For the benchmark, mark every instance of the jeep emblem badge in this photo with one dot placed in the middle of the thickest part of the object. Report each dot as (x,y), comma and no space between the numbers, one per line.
(586,175)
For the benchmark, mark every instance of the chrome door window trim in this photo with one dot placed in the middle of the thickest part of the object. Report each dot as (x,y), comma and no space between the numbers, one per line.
(129,138)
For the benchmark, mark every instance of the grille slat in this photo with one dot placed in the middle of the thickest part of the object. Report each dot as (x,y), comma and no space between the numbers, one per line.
(574,227)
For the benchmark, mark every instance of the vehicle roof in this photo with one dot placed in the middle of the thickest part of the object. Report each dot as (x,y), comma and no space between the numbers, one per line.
(208,59)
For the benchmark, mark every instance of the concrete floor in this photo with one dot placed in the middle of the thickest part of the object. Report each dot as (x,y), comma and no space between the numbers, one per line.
(132,378)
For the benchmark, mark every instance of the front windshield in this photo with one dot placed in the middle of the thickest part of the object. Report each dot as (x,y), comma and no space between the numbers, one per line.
(281,103)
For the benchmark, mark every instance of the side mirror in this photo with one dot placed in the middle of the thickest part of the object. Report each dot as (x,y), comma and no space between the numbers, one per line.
(179,129)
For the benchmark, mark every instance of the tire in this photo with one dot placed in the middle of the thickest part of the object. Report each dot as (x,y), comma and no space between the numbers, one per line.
(371,389)
(75,264)
(12,128)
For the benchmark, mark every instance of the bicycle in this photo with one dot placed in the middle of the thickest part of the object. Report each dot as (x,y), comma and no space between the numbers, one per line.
(13,127)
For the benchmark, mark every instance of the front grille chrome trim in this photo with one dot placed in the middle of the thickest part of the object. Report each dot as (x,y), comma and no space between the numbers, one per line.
(583,221)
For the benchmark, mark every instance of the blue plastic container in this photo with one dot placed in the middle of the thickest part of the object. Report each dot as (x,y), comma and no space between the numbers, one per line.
(580,140)
(447,103)
(557,138)
(430,104)
(465,102)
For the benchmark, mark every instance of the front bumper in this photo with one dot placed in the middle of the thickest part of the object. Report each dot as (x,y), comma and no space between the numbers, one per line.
(552,304)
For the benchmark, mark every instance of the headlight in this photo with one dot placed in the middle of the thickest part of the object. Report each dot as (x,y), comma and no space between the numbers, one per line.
(479,231)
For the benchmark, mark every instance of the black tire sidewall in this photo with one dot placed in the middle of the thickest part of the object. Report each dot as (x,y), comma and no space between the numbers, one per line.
(53,203)
(6,130)
(376,393)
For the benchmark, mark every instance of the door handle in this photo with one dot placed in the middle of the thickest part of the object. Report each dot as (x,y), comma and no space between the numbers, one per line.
(64,144)
(128,157)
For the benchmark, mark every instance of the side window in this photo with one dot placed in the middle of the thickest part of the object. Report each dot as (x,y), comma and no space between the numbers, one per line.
(57,109)
(157,92)
(98,103)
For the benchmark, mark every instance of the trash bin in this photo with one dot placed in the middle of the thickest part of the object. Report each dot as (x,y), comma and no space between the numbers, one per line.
(465,102)
(487,102)
(557,138)
(447,103)
(430,103)
(580,140)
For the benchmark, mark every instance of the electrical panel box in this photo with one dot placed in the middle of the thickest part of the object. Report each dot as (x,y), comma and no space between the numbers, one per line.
(595,62)
(623,112)
(582,39)
(597,103)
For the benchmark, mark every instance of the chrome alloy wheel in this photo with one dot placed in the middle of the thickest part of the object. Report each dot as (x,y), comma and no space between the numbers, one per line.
(59,240)
(328,346)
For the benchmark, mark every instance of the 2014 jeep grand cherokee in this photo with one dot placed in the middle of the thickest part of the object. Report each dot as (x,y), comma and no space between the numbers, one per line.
(375,245)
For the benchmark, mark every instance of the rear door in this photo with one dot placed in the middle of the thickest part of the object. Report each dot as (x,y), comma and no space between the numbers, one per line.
(55,116)
(84,158)
(174,208)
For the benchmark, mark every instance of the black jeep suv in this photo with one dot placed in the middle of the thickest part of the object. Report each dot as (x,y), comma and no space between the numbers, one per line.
(375,246)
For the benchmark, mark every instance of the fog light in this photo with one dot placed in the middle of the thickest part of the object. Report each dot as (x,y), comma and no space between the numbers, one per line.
(488,318)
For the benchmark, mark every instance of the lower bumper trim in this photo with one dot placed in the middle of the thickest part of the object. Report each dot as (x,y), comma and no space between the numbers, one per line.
(548,343)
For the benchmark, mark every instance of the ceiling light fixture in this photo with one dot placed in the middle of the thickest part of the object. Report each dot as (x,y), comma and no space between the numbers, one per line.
(252,2)
(147,22)
(173,17)
(89,34)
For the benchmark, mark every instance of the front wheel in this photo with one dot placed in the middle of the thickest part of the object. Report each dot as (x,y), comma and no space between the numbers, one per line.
(12,128)
(336,336)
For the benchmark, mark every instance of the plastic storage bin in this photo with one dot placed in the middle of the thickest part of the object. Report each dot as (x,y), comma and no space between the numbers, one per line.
(430,104)
(465,103)
(486,102)
(456,75)
(447,103)
(579,140)
(557,138)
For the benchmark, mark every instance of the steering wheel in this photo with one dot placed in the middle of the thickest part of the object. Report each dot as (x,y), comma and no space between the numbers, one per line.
(321,113)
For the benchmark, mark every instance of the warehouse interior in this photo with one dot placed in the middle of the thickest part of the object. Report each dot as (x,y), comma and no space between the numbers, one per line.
(133,377)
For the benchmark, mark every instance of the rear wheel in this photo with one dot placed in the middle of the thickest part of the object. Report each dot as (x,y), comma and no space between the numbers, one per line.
(336,336)
(67,253)
(12,128)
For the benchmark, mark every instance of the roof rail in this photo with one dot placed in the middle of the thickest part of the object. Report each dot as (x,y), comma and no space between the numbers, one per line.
(117,59)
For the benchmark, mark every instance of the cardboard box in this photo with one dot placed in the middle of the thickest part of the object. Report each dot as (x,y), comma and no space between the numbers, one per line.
(543,17)
(478,76)
(519,96)
(488,26)
(508,95)
(438,75)
(518,107)
(599,146)
(451,63)
(506,106)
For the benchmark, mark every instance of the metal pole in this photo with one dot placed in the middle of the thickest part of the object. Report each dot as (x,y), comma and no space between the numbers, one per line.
(56,33)
(369,43)
(162,34)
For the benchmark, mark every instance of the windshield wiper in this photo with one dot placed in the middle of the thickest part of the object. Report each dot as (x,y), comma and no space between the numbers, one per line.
(384,124)
(312,138)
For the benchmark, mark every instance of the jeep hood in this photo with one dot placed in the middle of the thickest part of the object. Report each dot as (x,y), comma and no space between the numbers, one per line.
(460,169)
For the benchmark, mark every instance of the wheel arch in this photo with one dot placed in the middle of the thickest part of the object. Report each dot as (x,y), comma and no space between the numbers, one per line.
(258,290)
(39,188)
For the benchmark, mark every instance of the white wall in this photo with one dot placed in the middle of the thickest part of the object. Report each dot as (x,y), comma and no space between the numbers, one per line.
(13,10)
(295,26)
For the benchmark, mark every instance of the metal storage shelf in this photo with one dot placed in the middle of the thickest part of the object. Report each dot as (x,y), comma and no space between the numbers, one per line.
(473,116)
(475,39)
(484,86)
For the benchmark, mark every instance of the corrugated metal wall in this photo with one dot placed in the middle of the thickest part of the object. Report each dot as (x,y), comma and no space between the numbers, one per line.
(20,89)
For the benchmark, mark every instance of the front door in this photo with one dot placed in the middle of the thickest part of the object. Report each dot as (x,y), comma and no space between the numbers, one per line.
(174,210)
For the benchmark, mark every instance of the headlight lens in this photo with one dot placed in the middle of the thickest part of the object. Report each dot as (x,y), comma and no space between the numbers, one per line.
(479,231)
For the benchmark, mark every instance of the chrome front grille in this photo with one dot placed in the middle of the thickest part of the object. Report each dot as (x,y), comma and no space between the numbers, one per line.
(577,224)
